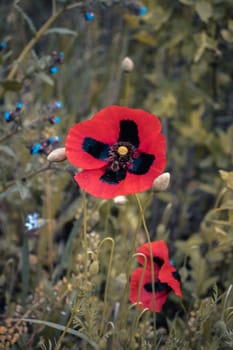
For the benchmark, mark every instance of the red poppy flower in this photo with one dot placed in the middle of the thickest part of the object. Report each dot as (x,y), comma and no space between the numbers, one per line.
(166,278)
(120,150)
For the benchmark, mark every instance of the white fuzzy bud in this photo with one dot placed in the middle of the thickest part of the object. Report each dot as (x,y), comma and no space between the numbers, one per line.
(161,182)
(127,65)
(57,155)
(120,200)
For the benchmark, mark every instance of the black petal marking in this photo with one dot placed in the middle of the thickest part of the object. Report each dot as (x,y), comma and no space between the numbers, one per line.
(142,164)
(113,177)
(129,132)
(158,287)
(96,148)
(158,261)
(176,275)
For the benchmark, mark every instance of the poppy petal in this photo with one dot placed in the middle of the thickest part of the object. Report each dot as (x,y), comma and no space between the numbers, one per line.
(97,149)
(159,253)
(169,275)
(145,297)
(113,177)
(148,126)
(100,182)
(142,164)
(82,140)
(128,132)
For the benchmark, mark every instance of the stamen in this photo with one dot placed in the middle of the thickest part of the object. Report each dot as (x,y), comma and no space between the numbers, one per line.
(122,150)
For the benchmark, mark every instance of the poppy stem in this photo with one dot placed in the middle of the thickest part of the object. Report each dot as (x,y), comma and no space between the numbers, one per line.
(126,88)
(50,225)
(84,205)
(111,241)
(136,320)
(25,268)
(151,260)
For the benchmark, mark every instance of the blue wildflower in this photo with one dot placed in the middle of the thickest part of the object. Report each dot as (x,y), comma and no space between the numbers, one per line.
(58,104)
(19,106)
(55,119)
(89,16)
(143,11)
(8,116)
(36,148)
(53,70)
(3,45)
(54,139)
(32,222)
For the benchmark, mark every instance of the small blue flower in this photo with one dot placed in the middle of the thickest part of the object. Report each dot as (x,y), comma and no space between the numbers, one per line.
(54,139)
(53,70)
(55,119)
(8,116)
(3,45)
(142,11)
(61,55)
(89,16)
(19,106)
(32,222)
(58,104)
(36,148)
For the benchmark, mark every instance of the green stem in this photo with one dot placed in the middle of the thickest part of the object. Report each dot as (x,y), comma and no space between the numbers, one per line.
(135,323)
(151,260)
(107,239)
(84,205)
(126,88)
(25,268)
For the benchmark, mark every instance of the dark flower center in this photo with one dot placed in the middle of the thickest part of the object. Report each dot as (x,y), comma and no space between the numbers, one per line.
(121,156)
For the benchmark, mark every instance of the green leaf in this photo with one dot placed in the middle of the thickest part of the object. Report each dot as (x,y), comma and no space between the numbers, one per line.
(187,2)
(61,31)
(63,328)
(145,38)
(8,151)
(45,78)
(22,189)
(204,10)
(26,18)
(227,35)
(11,85)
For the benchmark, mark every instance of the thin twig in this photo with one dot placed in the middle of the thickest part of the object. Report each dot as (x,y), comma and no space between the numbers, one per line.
(24,178)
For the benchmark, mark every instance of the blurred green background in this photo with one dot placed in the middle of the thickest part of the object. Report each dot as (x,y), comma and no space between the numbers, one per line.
(182,53)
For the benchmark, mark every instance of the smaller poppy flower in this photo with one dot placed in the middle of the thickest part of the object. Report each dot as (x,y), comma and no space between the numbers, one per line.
(166,278)
(121,151)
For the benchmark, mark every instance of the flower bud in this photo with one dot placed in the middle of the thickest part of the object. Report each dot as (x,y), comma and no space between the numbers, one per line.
(120,200)
(94,268)
(127,65)
(161,182)
(57,155)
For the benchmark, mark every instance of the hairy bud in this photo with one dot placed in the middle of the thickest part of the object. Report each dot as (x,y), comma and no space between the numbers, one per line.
(57,155)
(161,182)
(127,65)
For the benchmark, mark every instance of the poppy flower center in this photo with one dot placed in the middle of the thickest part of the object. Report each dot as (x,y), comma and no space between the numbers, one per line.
(122,150)
(121,155)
